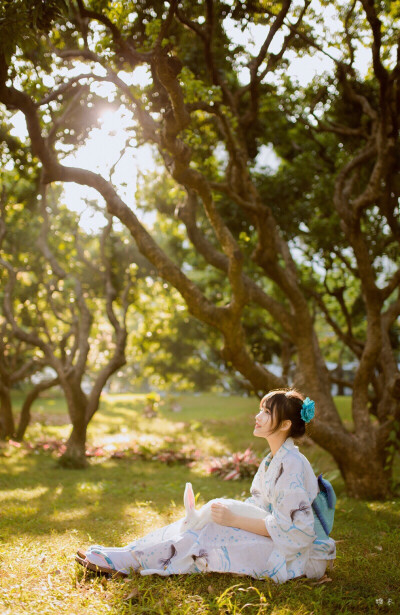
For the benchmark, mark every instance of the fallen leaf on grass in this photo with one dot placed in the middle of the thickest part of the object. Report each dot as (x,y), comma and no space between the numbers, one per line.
(378,547)
(210,589)
(133,594)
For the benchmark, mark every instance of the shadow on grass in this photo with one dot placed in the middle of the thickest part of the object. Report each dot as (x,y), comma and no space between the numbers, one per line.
(123,494)
(117,486)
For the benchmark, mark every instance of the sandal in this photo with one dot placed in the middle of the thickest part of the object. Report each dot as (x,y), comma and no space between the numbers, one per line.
(81,553)
(99,569)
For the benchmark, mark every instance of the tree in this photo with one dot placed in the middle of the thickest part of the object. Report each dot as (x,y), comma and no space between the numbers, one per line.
(19,361)
(196,101)
(54,299)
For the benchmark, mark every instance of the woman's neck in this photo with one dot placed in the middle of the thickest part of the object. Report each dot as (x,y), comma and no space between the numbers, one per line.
(275,443)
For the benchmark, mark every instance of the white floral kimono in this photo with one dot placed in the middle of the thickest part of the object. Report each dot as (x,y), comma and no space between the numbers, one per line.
(284,486)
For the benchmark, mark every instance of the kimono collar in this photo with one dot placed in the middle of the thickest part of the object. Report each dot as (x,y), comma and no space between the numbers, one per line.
(287,446)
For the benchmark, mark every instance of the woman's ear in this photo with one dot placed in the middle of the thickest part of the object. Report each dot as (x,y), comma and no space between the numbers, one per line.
(286,425)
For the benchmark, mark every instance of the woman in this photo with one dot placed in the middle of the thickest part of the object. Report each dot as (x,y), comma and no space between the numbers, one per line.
(282,546)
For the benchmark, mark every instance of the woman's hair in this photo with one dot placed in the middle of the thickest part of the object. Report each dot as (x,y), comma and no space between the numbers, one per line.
(285,404)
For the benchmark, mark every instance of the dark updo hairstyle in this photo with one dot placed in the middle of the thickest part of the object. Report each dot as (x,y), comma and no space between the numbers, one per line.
(285,404)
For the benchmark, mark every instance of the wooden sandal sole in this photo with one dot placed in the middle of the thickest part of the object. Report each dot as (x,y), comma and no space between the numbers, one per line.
(100,569)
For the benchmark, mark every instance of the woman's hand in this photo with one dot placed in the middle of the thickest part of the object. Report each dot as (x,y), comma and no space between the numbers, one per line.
(222,515)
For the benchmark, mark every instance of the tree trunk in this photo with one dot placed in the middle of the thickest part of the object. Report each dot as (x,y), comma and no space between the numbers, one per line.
(25,416)
(359,454)
(364,476)
(7,426)
(74,456)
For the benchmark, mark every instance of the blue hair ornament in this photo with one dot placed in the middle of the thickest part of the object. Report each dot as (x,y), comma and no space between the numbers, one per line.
(307,410)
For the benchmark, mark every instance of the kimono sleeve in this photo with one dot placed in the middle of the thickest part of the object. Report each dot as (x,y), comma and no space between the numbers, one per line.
(291,522)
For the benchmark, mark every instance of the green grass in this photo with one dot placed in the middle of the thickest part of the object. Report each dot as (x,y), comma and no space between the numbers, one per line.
(48,512)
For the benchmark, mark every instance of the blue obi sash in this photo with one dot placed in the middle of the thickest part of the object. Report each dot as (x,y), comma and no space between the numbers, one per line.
(324,508)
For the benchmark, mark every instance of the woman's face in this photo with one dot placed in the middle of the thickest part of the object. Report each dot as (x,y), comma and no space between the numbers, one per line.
(264,423)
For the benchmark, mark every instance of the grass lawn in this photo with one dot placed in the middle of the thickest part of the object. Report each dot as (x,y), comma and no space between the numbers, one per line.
(46,513)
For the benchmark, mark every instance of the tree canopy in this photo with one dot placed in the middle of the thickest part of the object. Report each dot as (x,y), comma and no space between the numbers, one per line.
(312,244)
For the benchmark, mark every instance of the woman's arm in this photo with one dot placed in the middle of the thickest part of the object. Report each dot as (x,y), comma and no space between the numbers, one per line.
(257,526)
(222,515)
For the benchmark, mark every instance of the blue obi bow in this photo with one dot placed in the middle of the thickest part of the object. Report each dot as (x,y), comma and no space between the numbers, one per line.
(324,508)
